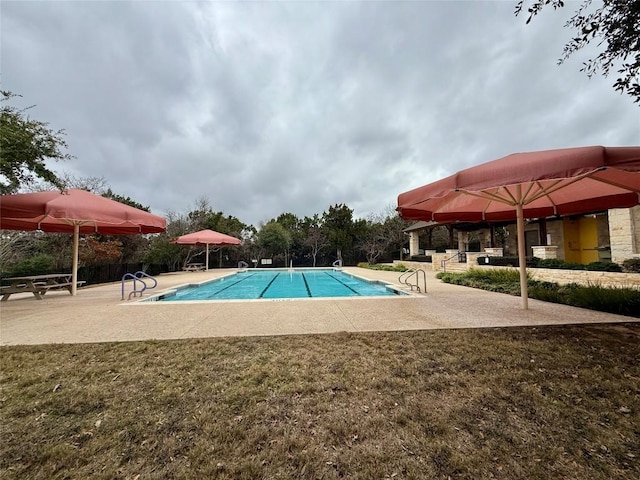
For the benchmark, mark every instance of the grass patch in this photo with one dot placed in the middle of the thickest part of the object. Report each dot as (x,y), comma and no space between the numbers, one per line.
(552,402)
(619,300)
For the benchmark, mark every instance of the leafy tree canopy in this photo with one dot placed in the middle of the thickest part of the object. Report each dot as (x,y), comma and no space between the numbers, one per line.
(274,238)
(204,217)
(126,200)
(25,146)
(615,25)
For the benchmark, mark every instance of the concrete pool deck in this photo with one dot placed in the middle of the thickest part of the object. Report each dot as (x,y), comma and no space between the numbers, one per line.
(97,314)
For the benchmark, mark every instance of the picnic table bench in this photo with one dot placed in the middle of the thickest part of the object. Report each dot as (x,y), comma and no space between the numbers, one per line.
(193,267)
(37,284)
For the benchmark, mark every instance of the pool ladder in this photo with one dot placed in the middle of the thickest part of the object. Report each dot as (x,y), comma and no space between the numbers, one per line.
(137,277)
(406,277)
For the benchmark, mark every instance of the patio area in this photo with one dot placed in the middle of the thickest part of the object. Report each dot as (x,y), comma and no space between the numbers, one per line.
(97,314)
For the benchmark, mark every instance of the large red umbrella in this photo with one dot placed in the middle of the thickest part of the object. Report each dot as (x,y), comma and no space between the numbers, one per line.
(76,211)
(207,237)
(548,183)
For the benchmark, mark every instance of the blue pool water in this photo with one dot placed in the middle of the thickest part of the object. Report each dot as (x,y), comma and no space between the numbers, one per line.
(272,284)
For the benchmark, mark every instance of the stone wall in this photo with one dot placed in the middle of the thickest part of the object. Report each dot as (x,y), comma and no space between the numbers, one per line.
(427,266)
(545,252)
(582,277)
(585,277)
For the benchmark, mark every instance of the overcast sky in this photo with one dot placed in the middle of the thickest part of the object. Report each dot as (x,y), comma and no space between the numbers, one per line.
(273,107)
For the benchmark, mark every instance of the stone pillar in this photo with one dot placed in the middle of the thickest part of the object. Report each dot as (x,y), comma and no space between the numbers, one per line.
(414,243)
(485,239)
(545,251)
(494,252)
(436,260)
(555,236)
(472,259)
(463,241)
(449,253)
(624,233)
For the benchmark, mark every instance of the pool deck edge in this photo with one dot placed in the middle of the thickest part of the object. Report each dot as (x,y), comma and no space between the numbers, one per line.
(97,314)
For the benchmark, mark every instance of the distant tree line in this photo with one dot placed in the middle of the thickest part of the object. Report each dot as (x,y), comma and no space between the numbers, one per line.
(317,240)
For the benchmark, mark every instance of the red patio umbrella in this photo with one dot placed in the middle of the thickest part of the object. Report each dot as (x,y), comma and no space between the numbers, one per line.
(75,211)
(207,237)
(542,184)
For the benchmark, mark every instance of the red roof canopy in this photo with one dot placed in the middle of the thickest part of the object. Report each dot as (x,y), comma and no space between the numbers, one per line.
(547,183)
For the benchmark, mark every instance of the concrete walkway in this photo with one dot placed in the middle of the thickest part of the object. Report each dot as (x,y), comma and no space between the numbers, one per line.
(97,314)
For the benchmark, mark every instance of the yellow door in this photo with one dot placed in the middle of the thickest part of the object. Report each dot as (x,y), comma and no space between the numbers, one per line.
(588,240)
(571,241)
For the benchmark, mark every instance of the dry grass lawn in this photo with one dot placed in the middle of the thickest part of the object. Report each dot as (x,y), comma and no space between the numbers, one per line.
(519,403)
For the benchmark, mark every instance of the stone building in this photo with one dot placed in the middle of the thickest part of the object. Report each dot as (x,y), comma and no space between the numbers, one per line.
(613,235)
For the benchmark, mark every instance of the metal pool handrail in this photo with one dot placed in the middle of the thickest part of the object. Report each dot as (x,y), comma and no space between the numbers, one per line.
(136,278)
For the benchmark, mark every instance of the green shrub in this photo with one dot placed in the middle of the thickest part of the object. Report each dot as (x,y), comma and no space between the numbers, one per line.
(40,263)
(620,300)
(506,261)
(399,267)
(604,267)
(495,275)
(557,263)
(534,262)
(550,263)
(631,265)
(421,258)
(545,291)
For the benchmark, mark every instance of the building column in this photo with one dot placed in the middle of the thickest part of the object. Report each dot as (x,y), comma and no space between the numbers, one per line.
(624,233)
(414,243)
(463,241)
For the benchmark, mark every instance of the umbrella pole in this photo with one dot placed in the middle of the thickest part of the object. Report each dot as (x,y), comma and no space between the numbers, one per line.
(74,268)
(207,264)
(522,260)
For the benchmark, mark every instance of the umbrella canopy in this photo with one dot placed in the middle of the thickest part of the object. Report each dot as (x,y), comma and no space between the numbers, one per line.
(207,237)
(542,184)
(75,211)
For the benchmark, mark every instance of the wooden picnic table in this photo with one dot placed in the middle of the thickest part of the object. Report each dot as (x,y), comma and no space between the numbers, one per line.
(194,267)
(37,284)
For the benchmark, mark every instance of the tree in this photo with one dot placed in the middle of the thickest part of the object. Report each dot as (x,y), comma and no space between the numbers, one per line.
(616,24)
(274,239)
(384,236)
(338,227)
(293,226)
(374,242)
(126,200)
(162,251)
(314,236)
(204,217)
(394,226)
(94,250)
(25,146)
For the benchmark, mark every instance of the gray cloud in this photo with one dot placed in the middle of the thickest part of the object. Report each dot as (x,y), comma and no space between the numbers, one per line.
(272,107)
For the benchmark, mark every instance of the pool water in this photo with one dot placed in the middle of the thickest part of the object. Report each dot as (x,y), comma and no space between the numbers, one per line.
(278,284)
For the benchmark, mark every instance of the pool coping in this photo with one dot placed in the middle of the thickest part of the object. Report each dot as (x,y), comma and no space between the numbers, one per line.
(159,298)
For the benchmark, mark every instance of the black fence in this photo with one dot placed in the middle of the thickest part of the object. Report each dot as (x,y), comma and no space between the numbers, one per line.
(93,274)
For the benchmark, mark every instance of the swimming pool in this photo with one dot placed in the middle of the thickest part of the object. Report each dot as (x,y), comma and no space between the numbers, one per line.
(280,284)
